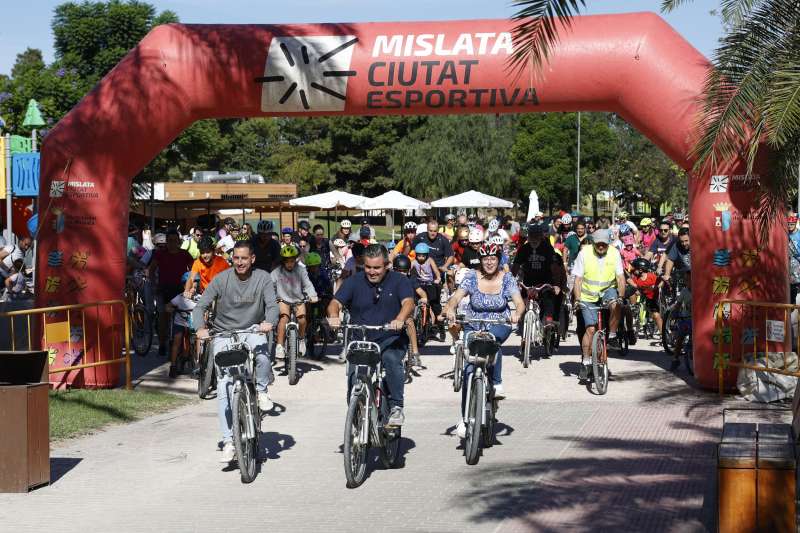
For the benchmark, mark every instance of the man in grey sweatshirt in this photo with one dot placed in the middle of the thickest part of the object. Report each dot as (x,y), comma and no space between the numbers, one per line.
(244,297)
(293,285)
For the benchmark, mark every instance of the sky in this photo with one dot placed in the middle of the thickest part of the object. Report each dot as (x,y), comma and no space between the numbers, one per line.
(27,24)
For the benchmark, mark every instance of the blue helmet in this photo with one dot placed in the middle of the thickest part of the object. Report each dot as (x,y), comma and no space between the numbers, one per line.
(422,249)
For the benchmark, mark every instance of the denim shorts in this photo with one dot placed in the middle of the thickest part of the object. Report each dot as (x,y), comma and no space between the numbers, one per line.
(589,313)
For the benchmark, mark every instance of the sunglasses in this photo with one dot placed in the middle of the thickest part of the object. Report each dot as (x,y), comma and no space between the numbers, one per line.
(320,234)
(663,230)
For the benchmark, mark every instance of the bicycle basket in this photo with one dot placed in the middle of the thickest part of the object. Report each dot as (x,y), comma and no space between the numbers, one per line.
(228,358)
(363,353)
(483,347)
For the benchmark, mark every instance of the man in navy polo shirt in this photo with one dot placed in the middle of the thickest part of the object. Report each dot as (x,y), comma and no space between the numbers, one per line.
(441,247)
(375,297)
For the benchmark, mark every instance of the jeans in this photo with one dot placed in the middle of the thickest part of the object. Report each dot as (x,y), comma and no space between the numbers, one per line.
(395,381)
(501,332)
(260,346)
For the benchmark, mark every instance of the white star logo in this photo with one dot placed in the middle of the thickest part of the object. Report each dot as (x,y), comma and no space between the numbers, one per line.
(719,184)
(307,73)
(57,189)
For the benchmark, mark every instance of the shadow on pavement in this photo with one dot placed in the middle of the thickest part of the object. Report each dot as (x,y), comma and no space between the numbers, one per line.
(59,466)
(606,484)
(272,443)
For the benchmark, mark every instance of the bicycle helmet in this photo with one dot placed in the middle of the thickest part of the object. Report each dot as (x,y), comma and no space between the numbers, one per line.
(461,273)
(422,249)
(313,259)
(646,222)
(410,226)
(475,235)
(640,263)
(346,224)
(624,229)
(303,224)
(536,229)
(566,219)
(489,249)
(339,243)
(622,215)
(401,263)
(494,225)
(792,219)
(264,226)
(286,230)
(289,251)
(159,238)
(679,216)
(497,240)
(449,216)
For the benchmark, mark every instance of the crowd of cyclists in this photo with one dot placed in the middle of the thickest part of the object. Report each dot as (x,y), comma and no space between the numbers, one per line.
(435,279)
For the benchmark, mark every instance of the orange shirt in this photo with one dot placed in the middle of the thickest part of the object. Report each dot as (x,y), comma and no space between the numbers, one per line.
(207,272)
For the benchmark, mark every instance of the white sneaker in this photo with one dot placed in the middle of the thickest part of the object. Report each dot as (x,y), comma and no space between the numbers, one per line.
(265,402)
(228,453)
(453,349)
(302,347)
(461,430)
(499,393)
(280,353)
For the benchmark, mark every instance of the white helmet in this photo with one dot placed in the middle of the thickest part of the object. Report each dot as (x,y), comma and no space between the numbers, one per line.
(494,225)
(160,238)
(346,224)
(475,235)
(497,239)
(339,243)
(566,219)
(461,273)
(410,225)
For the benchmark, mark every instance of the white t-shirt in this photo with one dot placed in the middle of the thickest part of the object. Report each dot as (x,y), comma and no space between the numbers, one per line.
(579,267)
(7,265)
(186,305)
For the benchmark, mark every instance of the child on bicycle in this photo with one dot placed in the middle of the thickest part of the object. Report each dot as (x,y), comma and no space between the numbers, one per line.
(292,285)
(181,307)
(683,307)
(428,276)
(645,281)
(321,281)
(402,265)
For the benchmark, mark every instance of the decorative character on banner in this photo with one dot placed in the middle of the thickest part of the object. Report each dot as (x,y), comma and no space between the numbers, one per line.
(77,284)
(55,259)
(53,284)
(749,258)
(724,335)
(726,310)
(723,219)
(51,355)
(748,285)
(722,284)
(79,260)
(58,219)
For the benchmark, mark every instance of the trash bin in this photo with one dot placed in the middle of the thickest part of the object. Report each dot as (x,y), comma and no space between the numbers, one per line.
(25,442)
(736,471)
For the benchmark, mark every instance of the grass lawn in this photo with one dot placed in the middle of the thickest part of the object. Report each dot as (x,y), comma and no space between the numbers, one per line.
(78,412)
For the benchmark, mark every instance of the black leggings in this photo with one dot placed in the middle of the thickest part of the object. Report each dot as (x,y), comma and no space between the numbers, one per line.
(434,292)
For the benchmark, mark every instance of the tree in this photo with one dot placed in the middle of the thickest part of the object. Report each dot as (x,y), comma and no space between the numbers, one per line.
(451,154)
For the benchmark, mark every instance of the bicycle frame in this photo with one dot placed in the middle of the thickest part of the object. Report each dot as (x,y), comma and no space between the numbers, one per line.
(242,376)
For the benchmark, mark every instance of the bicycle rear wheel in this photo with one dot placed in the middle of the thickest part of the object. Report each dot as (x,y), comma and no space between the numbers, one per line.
(667,329)
(458,367)
(142,330)
(354,450)
(206,379)
(291,356)
(563,321)
(246,447)
(599,363)
(472,444)
(528,333)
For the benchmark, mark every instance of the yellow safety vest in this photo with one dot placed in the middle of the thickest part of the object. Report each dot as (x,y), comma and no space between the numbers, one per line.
(597,278)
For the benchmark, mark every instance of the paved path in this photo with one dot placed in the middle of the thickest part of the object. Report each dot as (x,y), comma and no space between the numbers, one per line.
(638,459)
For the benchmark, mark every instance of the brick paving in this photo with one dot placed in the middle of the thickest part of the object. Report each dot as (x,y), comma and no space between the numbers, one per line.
(640,458)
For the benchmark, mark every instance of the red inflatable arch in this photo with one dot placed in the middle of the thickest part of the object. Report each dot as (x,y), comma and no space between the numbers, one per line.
(635,65)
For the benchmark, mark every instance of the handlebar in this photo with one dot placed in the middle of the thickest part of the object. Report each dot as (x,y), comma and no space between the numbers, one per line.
(462,320)
(231,332)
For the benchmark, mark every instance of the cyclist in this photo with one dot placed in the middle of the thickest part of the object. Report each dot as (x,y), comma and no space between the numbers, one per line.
(170,263)
(341,253)
(356,261)
(629,251)
(191,244)
(180,307)
(597,269)
(205,267)
(563,233)
(460,243)
(319,278)
(441,250)
(449,229)
(265,246)
(429,277)
(539,263)
(679,257)
(490,291)
(471,257)
(320,244)
(303,232)
(402,265)
(364,236)
(645,281)
(647,234)
(292,285)
(378,296)
(658,249)
(244,297)
(405,246)
(494,229)
(287,235)
(622,218)
(345,231)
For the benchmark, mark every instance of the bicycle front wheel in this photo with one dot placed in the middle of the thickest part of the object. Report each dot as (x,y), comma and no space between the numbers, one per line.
(599,362)
(458,367)
(141,329)
(472,444)
(528,332)
(205,380)
(246,447)
(291,356)
(356,441)
(667,333)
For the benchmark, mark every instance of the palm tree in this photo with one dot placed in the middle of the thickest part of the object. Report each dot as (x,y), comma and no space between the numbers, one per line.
(751,97)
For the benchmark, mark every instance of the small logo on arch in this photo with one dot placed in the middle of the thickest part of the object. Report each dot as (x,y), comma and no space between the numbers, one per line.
(307,74)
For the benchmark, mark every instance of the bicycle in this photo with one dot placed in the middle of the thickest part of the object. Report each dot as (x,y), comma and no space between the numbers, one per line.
(423,316)
(141,312)
(533,332)
(239,361)
(367,409)
(317,330)
(292,340)
(480,415)
(599,344)
(186,351)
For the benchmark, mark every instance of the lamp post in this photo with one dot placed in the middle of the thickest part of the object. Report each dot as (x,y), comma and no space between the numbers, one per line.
(578,170)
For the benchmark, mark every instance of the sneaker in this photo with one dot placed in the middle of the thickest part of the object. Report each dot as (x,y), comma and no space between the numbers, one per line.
(280,352)
(302,348)
(228,453)
(453,349)
(265,402)
(613,342)
(499,393)
(396,418)
(674,364)
(583,373)
(461,430)
(173,371)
